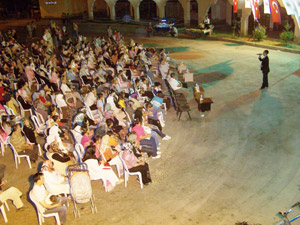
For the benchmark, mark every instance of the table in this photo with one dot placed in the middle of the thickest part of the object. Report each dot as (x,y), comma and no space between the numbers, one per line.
(197,94)
(205,104)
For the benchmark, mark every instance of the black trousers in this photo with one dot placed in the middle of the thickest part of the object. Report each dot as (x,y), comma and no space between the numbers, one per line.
(156,123)
(144,171)
(32,153)
(265,80)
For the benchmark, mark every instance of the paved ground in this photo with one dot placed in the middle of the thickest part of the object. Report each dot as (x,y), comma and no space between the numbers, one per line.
(239,163)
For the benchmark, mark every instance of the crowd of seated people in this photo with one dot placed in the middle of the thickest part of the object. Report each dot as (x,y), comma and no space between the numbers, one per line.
(86,101)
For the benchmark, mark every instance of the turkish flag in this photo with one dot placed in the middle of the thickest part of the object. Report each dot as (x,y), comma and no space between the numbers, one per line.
(235,6)
(255,9)
(275,10)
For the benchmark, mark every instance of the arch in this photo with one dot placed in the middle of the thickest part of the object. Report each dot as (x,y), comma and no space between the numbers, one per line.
(122,8)
(148,9)
(174,9)
(194,12)
(100,9)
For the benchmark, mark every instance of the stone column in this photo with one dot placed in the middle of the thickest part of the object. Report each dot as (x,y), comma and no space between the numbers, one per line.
(136,9)
(90,9)
(244,21)
(130,11)
(296,30)
(228,13)
(112,11)
(160,5)
(186,5)
(203,7)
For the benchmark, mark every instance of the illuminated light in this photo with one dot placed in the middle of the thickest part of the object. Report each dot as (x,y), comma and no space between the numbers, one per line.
(50,2)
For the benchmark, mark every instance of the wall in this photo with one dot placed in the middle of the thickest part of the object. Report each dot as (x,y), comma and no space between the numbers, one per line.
(100,5)
(73,7)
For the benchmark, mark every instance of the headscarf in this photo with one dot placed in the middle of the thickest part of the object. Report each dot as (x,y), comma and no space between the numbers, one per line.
(47,166)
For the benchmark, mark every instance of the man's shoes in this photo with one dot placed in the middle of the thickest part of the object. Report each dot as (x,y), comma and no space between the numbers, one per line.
(158,153)
(166,138)
(156,157)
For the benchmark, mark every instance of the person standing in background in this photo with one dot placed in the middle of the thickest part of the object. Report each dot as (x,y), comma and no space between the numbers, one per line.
(75,29)
(29,29)
(264,68)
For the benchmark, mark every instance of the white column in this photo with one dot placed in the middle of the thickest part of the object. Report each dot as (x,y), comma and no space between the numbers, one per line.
(186,5)
(244,21)
(203,7)
(136,8)
(112,11)
(296,30)
(160,5)
(90,9)
(228,13)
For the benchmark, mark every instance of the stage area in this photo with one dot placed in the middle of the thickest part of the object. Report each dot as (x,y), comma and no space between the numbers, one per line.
(240,163)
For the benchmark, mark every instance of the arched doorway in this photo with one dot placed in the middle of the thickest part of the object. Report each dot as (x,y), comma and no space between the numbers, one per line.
(174,10)
(194,12)
(122,8)
(148,10)
(100,9)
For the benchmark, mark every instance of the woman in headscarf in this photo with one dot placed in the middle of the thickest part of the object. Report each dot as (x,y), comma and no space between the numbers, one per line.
(54,182)
(99,169)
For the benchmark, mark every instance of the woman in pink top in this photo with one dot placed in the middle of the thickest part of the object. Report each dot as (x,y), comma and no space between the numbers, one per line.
(143,138)
(135,165)
(86,138)
(54,77)
(30,74)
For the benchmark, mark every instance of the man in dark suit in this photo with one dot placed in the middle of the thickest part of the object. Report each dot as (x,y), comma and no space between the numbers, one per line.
(264,68)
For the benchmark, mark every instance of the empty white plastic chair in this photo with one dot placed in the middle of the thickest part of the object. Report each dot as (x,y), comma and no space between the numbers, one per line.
(40,212)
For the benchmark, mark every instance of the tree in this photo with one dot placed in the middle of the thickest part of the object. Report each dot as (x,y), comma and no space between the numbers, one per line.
(287,35)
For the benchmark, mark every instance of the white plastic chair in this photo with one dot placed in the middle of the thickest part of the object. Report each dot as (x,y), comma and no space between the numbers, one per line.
(40,128)
(17,157)
(127,173)
(22,110)
(9,111)
(40,214)
(80,149)
(3,145)
(39,147)
(93,115)
(2,210)
(77,136)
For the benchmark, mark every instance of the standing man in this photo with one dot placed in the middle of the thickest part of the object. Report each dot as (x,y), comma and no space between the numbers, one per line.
(264,68)
(75,29)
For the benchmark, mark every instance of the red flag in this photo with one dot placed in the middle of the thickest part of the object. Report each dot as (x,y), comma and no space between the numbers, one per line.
(255,9)
(235,6)
(275,10)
